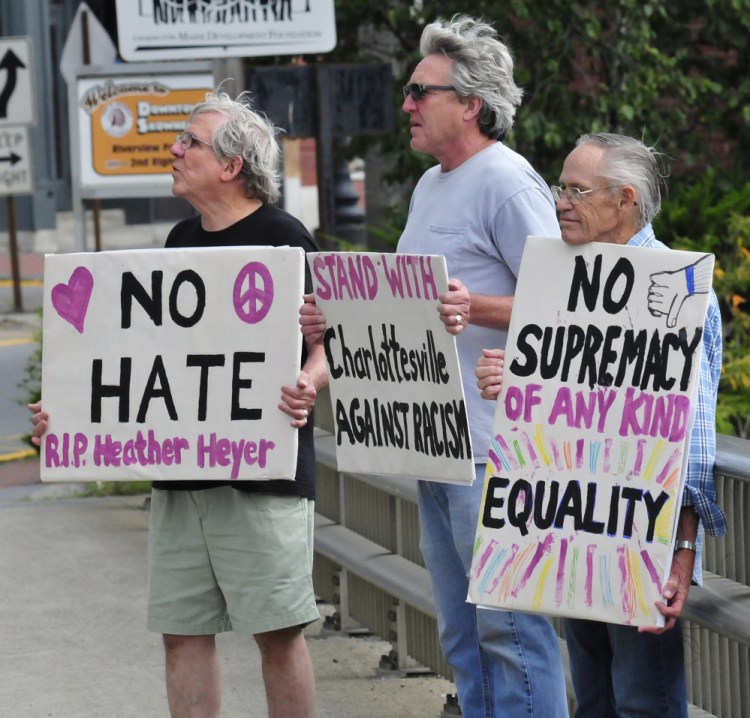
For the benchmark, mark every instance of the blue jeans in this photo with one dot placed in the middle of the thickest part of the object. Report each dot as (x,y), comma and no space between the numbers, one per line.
(504,664)
(620,673)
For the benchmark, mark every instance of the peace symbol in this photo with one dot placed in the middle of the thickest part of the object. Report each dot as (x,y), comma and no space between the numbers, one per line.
(253,303)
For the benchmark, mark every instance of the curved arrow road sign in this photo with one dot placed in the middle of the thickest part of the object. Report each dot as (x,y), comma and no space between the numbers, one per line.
(16,89)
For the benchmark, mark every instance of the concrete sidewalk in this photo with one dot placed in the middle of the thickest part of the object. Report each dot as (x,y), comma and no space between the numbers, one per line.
(72,622)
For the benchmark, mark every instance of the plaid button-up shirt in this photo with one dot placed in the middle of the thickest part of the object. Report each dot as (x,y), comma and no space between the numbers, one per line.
(700,490)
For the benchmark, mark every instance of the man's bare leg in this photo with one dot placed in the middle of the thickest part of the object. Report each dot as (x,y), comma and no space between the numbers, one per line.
(193,676)
(287,673)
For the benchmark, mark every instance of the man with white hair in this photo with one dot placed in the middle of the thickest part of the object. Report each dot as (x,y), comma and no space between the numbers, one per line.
(476,207)
(610,192)
(235,555)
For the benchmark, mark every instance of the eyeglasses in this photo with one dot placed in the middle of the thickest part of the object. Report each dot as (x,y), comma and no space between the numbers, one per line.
(418,92)
(573,194)
(186,139)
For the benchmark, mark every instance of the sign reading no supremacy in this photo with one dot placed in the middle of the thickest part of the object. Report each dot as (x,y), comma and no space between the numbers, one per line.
(586,469)
(168,364)
(395,384)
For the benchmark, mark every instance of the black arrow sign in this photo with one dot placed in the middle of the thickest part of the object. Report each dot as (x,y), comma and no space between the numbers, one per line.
(12,158)
(11,63)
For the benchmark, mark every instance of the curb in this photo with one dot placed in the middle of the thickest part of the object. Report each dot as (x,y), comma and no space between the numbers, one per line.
(17,455)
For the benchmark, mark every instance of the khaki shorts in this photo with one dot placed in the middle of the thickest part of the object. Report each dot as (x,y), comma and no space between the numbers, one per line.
(223,560)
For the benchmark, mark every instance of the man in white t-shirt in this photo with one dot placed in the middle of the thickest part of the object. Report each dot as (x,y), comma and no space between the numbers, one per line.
(476,207)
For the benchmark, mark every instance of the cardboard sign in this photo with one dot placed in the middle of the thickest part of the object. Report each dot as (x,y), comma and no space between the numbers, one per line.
(394,376)
(585,478)
(168,364)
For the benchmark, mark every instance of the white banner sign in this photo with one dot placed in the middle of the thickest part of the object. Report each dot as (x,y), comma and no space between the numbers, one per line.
(168,364)
(211,29)
(585,476)
(396,389)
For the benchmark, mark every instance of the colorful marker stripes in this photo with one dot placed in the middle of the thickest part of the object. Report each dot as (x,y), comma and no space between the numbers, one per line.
(507,571)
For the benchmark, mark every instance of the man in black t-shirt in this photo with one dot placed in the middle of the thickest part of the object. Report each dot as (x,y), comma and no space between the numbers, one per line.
(235,555)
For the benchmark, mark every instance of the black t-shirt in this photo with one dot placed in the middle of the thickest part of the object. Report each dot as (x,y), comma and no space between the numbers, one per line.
(267,226)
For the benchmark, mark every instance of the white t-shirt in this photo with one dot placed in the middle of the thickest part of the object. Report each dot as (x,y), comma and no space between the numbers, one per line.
(478,216)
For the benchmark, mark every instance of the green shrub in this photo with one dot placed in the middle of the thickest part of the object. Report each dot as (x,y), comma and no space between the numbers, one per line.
(709,217)
(31,383)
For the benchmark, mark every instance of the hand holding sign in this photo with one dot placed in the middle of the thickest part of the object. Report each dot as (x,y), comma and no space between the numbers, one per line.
(39,419)
(455,306)
(298,401)
(312,322)
(489,373)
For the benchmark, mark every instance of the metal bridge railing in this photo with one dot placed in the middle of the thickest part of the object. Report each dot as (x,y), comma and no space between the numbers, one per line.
(368,565)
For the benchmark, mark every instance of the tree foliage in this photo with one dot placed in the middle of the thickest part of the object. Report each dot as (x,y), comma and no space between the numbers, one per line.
(704,218)
(675,74)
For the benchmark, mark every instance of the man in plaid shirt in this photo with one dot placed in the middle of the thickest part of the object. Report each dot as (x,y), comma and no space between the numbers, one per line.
(609,192)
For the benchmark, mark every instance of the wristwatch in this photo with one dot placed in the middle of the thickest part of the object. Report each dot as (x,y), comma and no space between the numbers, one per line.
(684,544)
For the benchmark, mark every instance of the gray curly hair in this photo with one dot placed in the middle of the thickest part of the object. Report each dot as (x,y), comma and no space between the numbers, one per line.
(249,135)
(482,67)
(628,161)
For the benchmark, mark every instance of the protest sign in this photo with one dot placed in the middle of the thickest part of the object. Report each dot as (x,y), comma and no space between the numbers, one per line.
(585,477)
(168,364)
(395,384)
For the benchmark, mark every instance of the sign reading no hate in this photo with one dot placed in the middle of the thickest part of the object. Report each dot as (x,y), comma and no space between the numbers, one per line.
(168,364)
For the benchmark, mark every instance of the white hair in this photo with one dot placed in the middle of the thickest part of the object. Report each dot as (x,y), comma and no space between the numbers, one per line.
(628,161)
(482,67)
(249,135)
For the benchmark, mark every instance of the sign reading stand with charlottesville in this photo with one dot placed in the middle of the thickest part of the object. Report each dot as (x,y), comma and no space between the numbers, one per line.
(586,471)
(394,378)
(168,364)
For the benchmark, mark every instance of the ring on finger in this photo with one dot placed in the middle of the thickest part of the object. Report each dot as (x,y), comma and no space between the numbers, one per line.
(459,319)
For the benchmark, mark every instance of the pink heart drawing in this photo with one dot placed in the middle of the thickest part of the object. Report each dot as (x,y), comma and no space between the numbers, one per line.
(71,300)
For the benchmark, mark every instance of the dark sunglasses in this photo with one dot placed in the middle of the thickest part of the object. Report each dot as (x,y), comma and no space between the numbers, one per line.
(417,91)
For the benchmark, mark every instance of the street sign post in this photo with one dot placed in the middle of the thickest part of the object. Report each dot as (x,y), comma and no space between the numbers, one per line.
(16,114)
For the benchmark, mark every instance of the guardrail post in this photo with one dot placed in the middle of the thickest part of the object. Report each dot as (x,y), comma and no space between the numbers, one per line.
(451,707)
(346,622)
